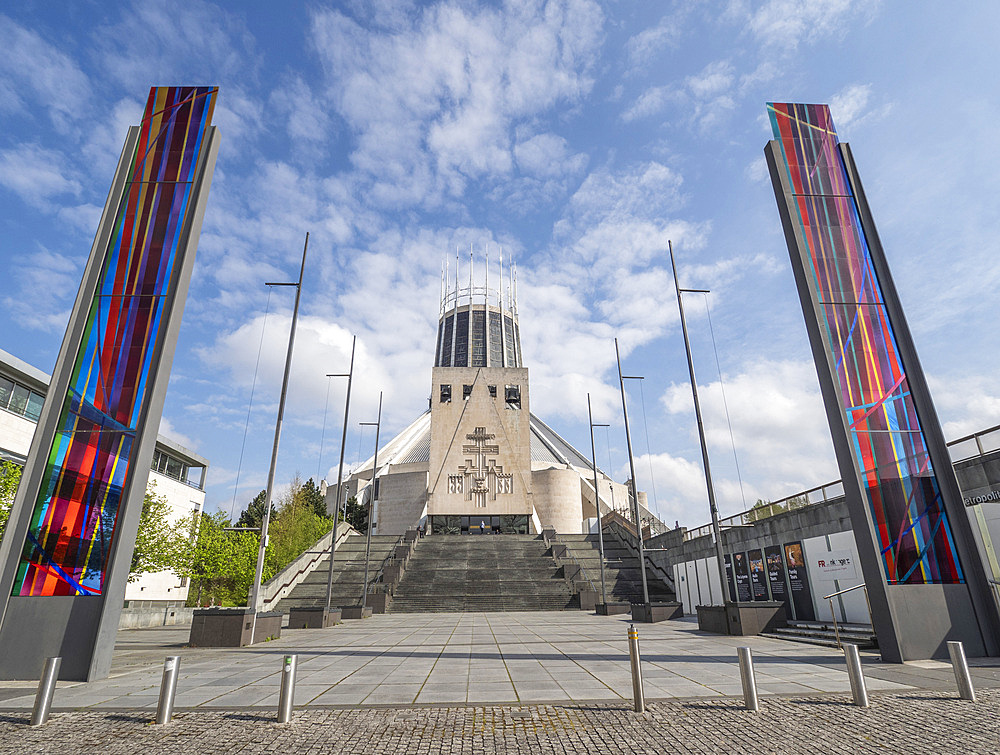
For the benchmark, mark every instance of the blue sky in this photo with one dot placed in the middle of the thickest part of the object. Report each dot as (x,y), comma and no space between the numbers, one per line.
(580,136)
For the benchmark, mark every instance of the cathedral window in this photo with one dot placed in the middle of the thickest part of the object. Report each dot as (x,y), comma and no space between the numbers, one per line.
(445,394)
(493,391)
(512,395)
(466,392)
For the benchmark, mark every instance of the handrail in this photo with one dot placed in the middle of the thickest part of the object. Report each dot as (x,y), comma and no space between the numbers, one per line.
(582,571)
(836,629)
(381,569)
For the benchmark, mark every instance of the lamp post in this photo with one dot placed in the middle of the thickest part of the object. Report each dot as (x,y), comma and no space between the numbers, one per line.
(340,477)
(371,502)
(597,498)
(716,531)
(255,601)
(631,465)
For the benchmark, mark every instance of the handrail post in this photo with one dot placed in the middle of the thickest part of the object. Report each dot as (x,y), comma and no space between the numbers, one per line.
(836,630)
(961,668)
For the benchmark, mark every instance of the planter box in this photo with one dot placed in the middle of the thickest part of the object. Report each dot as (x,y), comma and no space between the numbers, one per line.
(355,612)
(402,552)
(653,612)
(588,600)
(232,627)
(571,571)
(379,602)
(313,618)
(612,609)
(392,573)
(411,536)
(558,550)
(745,619)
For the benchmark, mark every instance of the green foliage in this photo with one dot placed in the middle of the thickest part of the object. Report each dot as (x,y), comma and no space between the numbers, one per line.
(356,514)
(309,495)
(160,544)
(10,476)
(253,515)
(221,564)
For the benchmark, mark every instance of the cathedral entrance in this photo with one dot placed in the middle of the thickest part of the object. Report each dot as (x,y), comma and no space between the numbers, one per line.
(478,524)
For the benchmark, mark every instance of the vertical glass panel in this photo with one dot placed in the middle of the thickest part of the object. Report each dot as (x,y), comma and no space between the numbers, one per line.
(496,341)
(508,325)
(18,399)
(33,410)
(478,338)
(446,344)
(461,339)
(75,516)
(884,429)
(6,388)
(437,350)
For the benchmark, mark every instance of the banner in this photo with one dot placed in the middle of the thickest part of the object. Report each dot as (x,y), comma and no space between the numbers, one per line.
(798,581)
(729,577)
(758,579)
(742,572)
(776,574)
(835,565)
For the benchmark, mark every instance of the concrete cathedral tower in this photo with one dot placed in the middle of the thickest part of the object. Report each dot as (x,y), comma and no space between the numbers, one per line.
(480,452)
(478,460)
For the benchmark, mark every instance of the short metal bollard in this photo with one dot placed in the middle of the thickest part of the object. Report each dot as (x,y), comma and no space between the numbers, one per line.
(858,688)
(961,668)
(168,689)
(748,678)
(633,654)
(46,688)
(286,698)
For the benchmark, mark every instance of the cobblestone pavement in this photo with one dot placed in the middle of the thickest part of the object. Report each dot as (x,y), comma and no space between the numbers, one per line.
(910,722)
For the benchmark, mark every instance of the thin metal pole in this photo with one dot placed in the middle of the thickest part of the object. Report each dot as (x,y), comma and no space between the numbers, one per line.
(597,500)
(748,678)
(634,660)
(168,689)
(635,493)
(961,668)
(46,688)
(371,506)
(255,602)
(716,530)
(286,697)
(858,689)
(340,480)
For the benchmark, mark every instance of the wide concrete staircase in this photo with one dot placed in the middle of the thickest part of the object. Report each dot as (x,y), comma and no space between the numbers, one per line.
(823,633)
(482,573)
(622,577)
(348,574)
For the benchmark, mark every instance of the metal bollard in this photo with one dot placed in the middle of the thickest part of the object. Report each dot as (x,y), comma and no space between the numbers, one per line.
(168,689)
(46,688)
(286,698)
(858,688)
(961,668)
(633,654)
(748,679)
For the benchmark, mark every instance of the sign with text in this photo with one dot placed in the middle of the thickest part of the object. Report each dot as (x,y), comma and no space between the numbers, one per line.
(729,577)
(835,565)
(798,582)
(758,578)
(776,573)
(742,572)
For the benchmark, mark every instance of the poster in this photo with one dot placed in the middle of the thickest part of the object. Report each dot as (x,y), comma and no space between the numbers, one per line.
(729,577)
(798,582)
(742,572)
(776,575)
(758,578)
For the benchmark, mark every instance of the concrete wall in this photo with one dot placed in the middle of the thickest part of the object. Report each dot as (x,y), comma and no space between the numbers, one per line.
(558,498)
(15,433)
(401,500)
(979,479)
(139,618)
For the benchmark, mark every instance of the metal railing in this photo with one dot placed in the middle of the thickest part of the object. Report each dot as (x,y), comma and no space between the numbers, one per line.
(977,444)
(833,614)
(381,570)
(811,497)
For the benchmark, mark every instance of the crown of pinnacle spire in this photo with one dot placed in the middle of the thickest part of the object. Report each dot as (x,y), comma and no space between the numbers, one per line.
(477,324)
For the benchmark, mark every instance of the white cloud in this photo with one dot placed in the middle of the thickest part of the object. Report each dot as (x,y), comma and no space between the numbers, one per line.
(705,98)
(47,283)
(649,42)
(432,106)
(547,156)
(849,103)
(33,68)
(786,23)
(37,175)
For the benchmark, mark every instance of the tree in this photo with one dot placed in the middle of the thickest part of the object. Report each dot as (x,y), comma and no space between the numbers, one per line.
(309,495)
(160,543)
(219,564)
(355,514)
(10,476)
(253,515)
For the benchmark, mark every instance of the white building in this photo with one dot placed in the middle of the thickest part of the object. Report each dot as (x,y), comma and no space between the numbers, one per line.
(178,473)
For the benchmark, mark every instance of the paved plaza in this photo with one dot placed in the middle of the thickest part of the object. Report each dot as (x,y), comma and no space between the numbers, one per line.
(531,682)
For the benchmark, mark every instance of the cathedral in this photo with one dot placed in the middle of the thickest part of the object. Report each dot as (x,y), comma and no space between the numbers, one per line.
(478,461)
